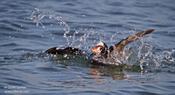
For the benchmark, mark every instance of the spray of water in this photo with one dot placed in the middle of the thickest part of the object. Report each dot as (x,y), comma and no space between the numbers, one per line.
(37,17)
(141,52)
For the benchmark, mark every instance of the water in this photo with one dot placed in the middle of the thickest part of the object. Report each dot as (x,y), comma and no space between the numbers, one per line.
(28,28)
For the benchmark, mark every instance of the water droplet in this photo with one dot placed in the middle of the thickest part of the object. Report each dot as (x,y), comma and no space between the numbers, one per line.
(65,55)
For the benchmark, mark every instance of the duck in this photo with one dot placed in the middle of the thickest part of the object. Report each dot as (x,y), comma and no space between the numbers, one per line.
(101,54)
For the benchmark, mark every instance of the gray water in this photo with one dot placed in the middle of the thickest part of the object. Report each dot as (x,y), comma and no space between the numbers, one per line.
(29,27)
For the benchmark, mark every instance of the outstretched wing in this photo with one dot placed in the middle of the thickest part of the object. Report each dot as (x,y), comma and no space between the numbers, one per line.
(120,46)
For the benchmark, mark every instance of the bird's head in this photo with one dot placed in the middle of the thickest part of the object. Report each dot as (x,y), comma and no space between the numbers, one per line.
(100,48)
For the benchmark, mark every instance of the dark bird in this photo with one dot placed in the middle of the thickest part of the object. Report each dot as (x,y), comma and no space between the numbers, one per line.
(101,53)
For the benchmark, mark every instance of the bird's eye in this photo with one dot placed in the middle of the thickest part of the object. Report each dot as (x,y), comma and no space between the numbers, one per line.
(100,48)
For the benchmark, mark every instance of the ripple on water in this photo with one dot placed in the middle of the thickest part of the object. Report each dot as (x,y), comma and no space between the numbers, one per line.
(9,45)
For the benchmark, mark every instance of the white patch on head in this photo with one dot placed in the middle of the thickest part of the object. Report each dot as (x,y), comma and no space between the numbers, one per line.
(57,48)
(101,44)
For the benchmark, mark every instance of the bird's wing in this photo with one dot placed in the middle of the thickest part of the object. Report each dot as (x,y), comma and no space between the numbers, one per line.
(120,46)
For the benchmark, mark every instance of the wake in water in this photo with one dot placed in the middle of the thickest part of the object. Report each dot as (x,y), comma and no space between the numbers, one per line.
(142,52)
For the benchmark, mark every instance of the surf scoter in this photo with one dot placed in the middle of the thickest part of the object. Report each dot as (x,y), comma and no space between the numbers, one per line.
(101,53)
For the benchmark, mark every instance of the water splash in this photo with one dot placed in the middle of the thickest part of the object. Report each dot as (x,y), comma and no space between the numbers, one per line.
(79,38)
(142,52)
(145,54)
(83,41)
(72,39)
(38,16)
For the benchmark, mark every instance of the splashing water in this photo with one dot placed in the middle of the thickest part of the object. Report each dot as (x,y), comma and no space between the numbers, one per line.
(145,54)
(141,52)
(37,16)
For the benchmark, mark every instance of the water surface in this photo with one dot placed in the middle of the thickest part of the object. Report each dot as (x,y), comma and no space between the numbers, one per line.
(81,23)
